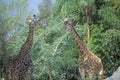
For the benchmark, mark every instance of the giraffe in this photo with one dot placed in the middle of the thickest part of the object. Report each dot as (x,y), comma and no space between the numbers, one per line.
(21,66)
(88,63)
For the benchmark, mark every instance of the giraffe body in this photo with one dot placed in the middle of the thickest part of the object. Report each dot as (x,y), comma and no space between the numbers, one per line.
(21,67)
(87,62)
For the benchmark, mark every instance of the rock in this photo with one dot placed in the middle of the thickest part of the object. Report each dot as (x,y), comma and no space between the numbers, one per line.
(115,76)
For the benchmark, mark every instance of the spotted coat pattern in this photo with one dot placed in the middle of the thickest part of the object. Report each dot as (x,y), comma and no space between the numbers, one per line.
(21,67)
(87,62)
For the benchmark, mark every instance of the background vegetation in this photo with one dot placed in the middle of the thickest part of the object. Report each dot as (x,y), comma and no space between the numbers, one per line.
(53,52)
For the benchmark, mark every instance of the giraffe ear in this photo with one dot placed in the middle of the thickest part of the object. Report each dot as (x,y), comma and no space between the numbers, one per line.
(65,20)
(70,22)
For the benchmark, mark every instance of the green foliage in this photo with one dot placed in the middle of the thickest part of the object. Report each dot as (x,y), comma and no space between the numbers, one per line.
(111,50)
(73,9)
(106,45)
(11,14)
(53,51)
(104,40)
(110,19)
(45,11)
(53,60)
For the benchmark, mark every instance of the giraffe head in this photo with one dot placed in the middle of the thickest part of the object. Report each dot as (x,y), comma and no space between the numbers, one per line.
(31,24)
(38,21)
(35,21)
(31,21)
(67,23)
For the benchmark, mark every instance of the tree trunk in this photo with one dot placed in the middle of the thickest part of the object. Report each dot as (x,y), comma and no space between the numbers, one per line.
(88,21)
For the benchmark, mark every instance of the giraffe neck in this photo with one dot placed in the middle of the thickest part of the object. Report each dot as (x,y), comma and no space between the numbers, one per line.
(78,41)
(28,44)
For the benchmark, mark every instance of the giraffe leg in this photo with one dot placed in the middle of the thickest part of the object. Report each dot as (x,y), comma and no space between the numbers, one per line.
(9,74)
(91,76)
(30,72)
(100,75)
(82,73)
(28,75)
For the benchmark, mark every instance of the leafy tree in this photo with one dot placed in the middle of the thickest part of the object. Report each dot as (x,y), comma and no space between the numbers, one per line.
(53,52)
(3,43)
(104,25)
(105,37)
(45,11)
(11,14)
